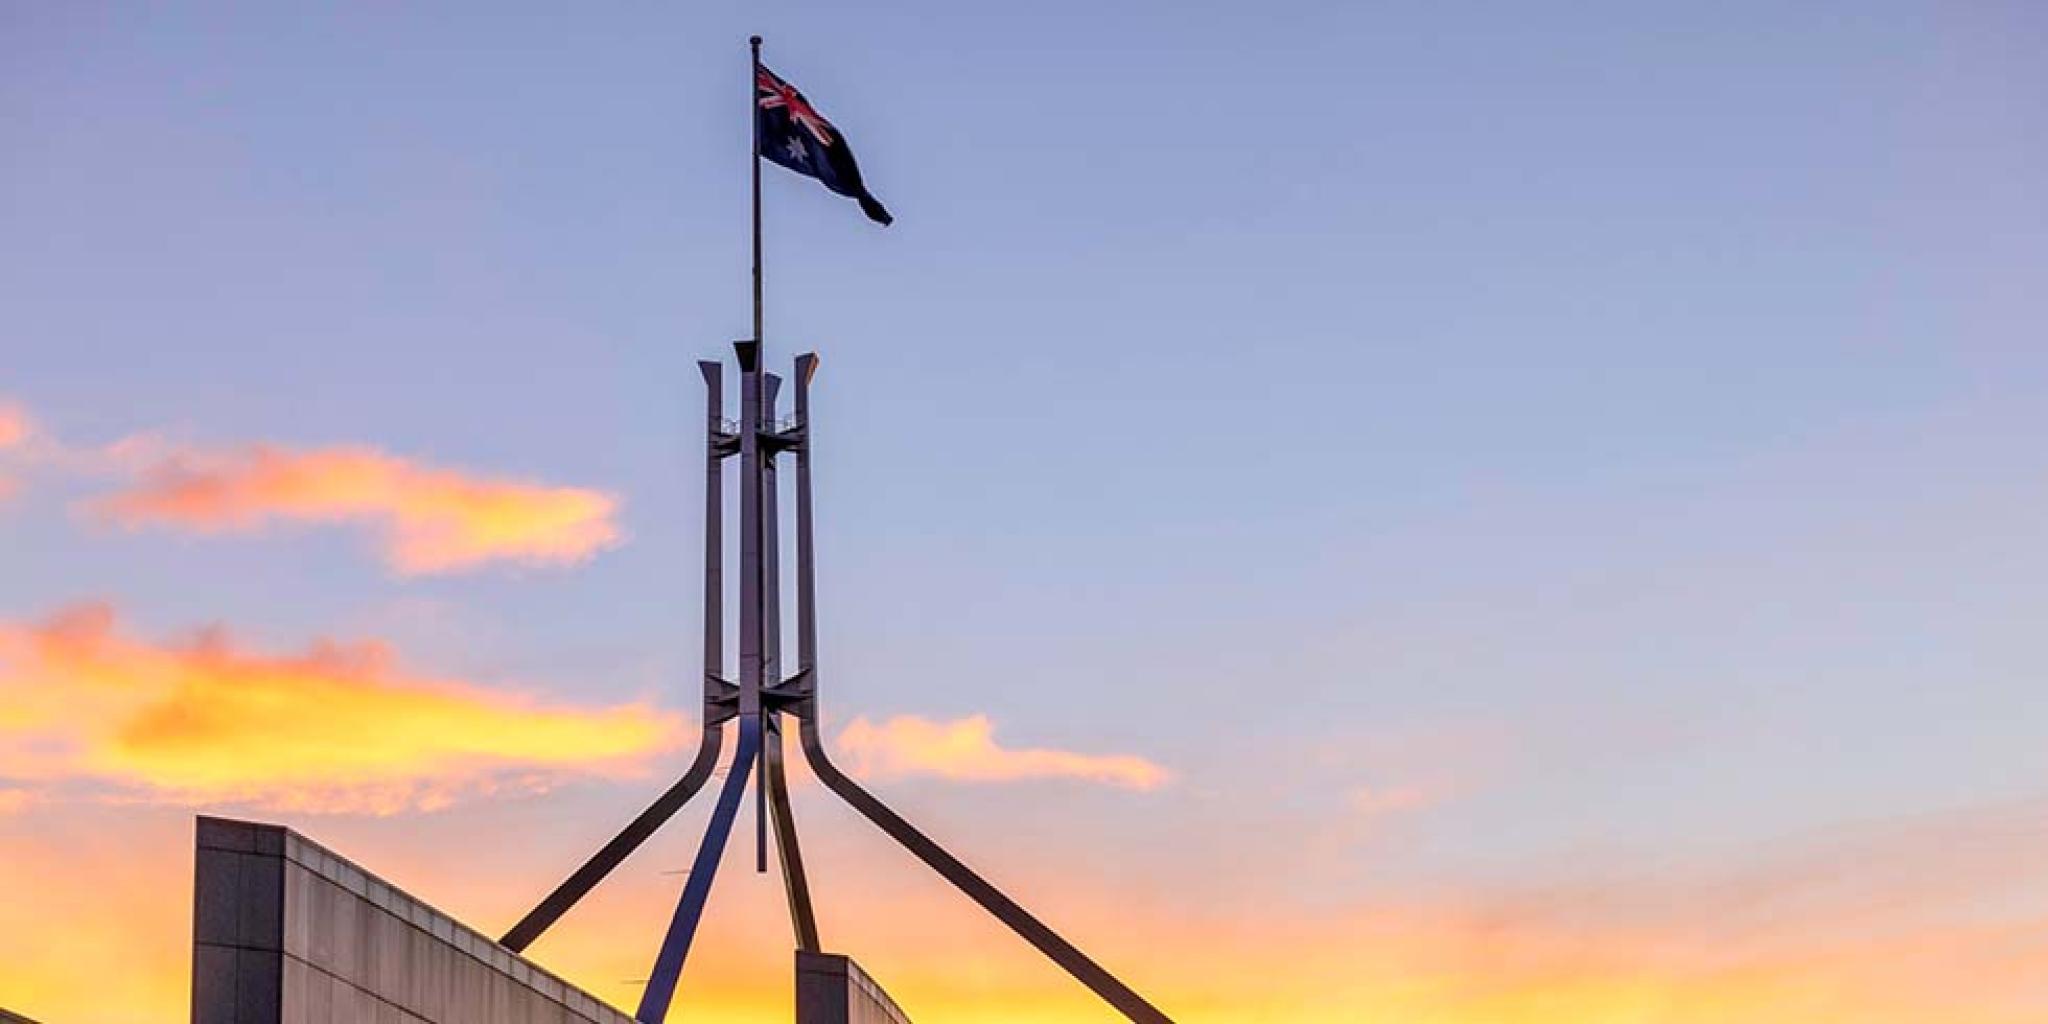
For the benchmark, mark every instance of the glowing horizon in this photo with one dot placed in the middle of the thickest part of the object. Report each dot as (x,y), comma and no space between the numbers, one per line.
(1430,513)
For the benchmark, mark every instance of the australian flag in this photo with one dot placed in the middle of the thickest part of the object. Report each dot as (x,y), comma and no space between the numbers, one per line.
(792,133)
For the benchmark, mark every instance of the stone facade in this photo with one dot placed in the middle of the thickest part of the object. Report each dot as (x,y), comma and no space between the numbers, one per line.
(286,932)
(832,989)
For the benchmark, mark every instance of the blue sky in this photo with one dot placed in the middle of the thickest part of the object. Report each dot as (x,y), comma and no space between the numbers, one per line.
(1623,420)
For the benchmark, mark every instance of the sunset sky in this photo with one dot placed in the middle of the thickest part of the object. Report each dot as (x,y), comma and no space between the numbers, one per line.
(1429,513)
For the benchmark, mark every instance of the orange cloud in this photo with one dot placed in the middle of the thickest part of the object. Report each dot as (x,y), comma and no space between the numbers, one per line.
(966,750)
(336,728)
(431,519)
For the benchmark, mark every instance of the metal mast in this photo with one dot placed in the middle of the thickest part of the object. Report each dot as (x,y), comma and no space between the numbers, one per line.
(763,695)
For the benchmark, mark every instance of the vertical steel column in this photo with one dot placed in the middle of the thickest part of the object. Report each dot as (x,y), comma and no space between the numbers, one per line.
(714,526)
(771,606)
(806,573)
(771,542)
(750,529)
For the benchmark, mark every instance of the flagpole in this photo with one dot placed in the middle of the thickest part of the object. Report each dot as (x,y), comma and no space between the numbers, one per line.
(761,754)
(754,118)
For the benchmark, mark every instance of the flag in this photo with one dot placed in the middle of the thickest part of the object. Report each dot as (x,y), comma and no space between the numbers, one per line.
(792,133)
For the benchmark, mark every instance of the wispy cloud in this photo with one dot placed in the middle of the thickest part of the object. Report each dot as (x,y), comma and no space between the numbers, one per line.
(15,428)
(1380,801)
(14,424)
(431,519)
(966,750)
(338,727)
(427,518)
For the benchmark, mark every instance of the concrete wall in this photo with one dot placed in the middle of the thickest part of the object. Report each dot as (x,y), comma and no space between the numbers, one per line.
(286,932)
(831,989)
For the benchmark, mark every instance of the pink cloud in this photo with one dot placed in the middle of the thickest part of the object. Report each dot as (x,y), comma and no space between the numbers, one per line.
(429,519)
(15,428)
(15,425)
(1379,801)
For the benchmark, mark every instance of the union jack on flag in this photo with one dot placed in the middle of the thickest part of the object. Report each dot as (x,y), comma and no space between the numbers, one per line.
(791,132)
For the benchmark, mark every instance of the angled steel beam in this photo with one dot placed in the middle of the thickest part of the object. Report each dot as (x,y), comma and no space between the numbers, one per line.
(1005,909)
(622,845)
(717,693)
(772,805)
(801,919)
(794,882)
(682,927)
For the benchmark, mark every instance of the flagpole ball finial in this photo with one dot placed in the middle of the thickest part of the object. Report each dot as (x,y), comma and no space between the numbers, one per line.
(754,41)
